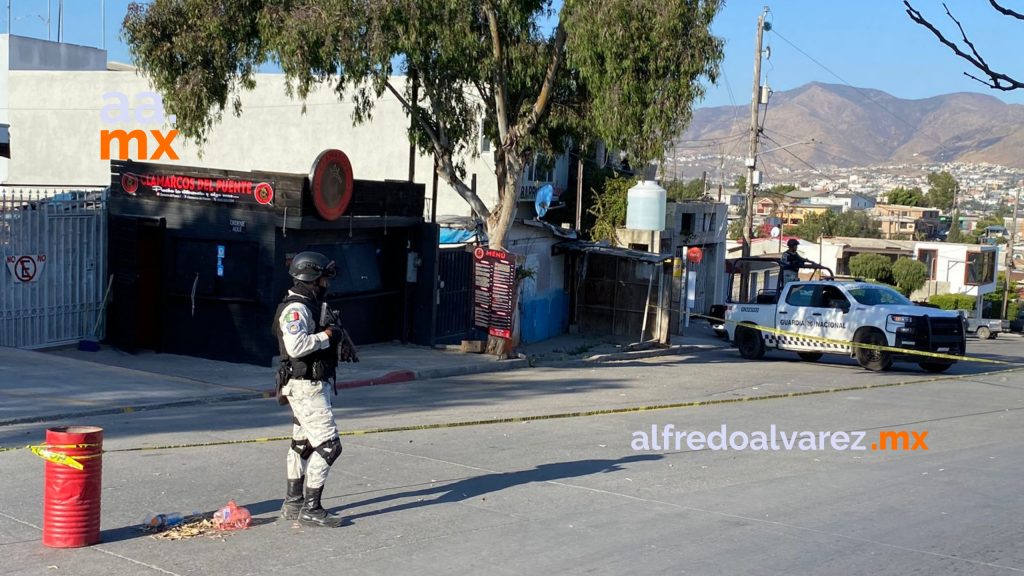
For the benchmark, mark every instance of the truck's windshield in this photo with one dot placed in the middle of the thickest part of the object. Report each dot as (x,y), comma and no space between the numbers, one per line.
(879,296)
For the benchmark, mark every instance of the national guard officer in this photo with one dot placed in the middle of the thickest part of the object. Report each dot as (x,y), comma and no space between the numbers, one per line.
(308,356)
(791,262)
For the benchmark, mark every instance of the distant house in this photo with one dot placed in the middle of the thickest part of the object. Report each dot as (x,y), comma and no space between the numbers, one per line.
(836,252)
(957,268)
(847,202)
(904,222)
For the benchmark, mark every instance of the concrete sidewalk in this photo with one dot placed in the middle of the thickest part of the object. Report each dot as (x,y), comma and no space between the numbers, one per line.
(69,383)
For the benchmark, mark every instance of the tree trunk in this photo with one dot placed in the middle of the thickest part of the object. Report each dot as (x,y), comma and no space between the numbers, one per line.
(508,172)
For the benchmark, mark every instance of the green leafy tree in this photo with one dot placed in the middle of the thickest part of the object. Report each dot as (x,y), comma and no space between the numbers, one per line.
(941,190)
(609,209)
(682,192)
(854,224)
(873,266)
(618,70)
(978,234)
(736,226)
(906,196)
(909,275)
(953,301)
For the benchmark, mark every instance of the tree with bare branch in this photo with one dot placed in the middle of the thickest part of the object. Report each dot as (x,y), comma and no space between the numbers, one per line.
(965,48)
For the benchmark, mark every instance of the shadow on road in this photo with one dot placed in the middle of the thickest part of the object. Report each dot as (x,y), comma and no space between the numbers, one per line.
(487,483)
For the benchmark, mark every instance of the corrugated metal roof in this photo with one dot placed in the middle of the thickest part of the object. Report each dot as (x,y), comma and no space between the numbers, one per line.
(591,248)
(879,244)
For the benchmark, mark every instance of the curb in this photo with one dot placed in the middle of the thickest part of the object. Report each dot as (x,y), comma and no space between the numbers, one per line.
(403,376)
(395,377)
(139,408)
(482,368)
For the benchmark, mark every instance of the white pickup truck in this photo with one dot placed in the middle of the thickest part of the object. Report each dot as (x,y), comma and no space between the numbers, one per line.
(841,312)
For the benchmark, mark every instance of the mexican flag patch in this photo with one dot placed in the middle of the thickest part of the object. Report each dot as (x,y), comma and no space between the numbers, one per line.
(293,316)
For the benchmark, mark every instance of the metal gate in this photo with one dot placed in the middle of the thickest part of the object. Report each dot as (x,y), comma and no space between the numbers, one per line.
(53,245)
(454,295)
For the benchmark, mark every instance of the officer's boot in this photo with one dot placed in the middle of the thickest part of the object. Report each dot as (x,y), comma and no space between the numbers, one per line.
(313,514)
(294,500)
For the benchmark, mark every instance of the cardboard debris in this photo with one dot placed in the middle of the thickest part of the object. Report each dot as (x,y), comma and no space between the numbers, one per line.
(191,529)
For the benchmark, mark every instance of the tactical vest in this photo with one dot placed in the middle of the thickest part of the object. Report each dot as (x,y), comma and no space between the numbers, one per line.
(313,366)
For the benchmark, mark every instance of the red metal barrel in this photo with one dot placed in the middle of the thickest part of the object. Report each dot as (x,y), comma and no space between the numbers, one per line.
(71,504)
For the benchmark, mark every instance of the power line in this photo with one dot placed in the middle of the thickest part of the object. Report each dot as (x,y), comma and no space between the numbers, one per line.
(851,163)
(791,153)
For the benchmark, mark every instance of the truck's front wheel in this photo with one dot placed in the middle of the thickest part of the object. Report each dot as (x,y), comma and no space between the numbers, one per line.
(750,343)
(983,333)
(874,360)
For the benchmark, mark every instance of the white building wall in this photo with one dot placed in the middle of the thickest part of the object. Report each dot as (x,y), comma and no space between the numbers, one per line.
(828,254)
(4,100)
(544,300)
(55,119)
(951,268)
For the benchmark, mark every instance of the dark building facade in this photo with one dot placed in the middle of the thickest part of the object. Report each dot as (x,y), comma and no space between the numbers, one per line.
(199,257)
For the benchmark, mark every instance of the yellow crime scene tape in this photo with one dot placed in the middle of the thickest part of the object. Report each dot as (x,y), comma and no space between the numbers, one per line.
(611,411)
(854,345)
(45,452)
(565,415)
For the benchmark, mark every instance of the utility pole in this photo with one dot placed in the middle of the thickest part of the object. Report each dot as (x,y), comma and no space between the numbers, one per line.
(755,103)
(1009,255)
(954,229)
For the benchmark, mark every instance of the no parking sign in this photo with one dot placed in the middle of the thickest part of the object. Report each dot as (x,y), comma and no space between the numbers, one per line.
(26,267)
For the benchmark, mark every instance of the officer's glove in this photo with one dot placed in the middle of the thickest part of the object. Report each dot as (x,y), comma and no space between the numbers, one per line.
(335,334)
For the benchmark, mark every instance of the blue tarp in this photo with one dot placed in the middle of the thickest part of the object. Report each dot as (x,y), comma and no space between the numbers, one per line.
(454,236)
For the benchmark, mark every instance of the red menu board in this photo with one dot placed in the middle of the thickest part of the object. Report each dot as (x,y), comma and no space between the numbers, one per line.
(493,283)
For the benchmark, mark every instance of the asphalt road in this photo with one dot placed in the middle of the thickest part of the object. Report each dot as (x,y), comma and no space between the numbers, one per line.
(558,492)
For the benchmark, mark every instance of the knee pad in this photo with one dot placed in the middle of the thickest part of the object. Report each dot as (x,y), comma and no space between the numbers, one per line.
(330,450)
(302,448)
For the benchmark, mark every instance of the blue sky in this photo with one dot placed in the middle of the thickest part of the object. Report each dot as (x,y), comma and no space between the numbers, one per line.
(864,43)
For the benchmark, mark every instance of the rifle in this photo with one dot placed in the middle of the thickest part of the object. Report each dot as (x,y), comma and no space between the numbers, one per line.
(345,348)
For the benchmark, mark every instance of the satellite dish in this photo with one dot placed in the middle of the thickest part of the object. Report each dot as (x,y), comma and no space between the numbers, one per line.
(775,231)
(543,200)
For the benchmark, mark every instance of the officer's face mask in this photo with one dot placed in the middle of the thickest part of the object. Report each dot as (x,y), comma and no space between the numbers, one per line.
(324,281)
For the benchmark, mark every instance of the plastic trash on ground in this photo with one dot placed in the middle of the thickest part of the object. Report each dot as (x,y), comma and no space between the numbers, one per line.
(161,522)
(232,517)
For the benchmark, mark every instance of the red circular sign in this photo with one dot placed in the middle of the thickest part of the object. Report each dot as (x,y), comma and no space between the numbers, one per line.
(263,193)
(694,255)
(478,253)
(129,183)
(25,268)
(330,182)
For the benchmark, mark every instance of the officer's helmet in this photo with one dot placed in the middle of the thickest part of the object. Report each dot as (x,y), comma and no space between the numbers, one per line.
(793,243)
(309,266)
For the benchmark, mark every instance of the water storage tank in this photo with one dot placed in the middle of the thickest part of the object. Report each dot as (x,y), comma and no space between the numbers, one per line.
(645,206)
